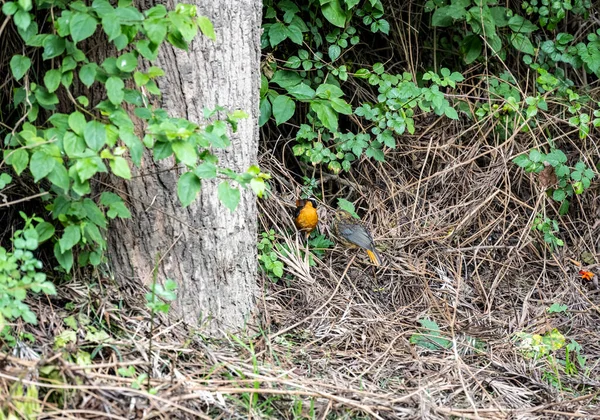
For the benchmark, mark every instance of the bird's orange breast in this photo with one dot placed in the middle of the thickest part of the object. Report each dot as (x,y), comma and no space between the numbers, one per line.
(307,218)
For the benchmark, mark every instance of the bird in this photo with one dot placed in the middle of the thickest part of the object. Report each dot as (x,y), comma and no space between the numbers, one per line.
(305,216)
(353,234)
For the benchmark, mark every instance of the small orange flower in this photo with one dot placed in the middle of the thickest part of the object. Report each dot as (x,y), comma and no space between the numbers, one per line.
(586,275)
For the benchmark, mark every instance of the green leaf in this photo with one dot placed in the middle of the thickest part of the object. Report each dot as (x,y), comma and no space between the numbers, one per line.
(334,13)
(93,213)
(265,112)
(188,187)
(77,122)
(451,113)
(22,20)
(65,259)
(82,26)
(302,91)
(87,74)
(556,157)
(111,26)
(557,308)
(519,24)
(127,62)
(522,161)
(206,27)
(73,144)
(70,237)
(326,114)
(53,46)
(115,204)
(334,51)
(114,90)
(341,106)
(277,33)
(19,65)
(9,8)
(522,43)
(228,195)
(286,79)
(327,91)
(445,16)
(472,47)
(60,177)
(120,167)
(535,156)
(559,195)
(52,79)
(95,135)
(185,152)
(5,179)
(283,109)
(45,231)
(41,165)
(18,158)
(206,170)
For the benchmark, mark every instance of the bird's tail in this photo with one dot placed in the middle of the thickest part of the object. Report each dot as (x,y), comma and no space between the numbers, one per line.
(374,256)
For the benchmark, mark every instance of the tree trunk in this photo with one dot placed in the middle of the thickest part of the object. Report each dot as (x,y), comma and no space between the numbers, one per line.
(208,251)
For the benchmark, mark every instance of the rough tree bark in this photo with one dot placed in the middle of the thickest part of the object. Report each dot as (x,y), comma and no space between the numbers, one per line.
(208,251)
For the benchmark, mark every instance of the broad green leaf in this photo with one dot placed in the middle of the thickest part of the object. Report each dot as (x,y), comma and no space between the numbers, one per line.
(111,26)
(522,161)
(283,108)
(115,204)
(87,73)
(535,156)
(127,62)
(341,106)
(228,195)
(206,27)
(82,26)
(93,213)
(206,170)
(60,177)
(70,237)
(77,122)
(185,152)
(334,13)
(73,144)
(277,33)
(188,188)
(326,91)
(41,165)
(18,158)
(65,259)
(52,79)
(45,231)
(334,51)
(9,8)
(95,135)
(326,114)
(53,46)
(451,113)
(22,20)
(559,195)
(114,90)
(522,43)
(5,179)
(302,91)
(265,111)
(120,167)
(19,65)
(471,47)
(519,24)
